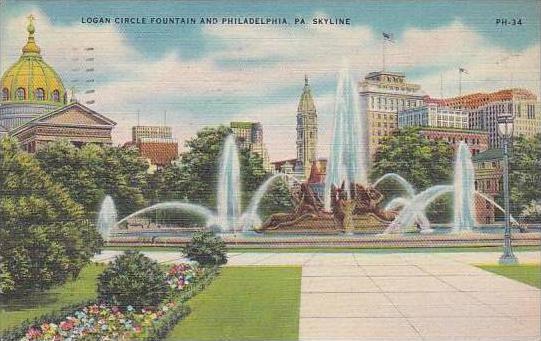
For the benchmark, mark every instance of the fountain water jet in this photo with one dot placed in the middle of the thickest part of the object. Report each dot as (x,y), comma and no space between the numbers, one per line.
(229,193)
(513,220)
(250,218)
(403,182)
(349,148)
(192,208)
(464,193)
(410,213)
(106,217)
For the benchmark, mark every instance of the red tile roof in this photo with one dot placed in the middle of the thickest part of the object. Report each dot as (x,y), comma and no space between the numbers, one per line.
(475,100)
(159,153)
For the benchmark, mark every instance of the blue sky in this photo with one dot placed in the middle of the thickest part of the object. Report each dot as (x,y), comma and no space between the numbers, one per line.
(207,75)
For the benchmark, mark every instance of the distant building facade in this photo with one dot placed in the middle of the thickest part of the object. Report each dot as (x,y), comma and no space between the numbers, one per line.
(74,122)
(151,132)
(382,95)
(488,181)
(155,144)
(476,140)
(433,115)
(484,108)
(250,136)
(442,123)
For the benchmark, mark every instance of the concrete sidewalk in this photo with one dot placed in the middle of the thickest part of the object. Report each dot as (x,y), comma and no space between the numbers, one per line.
(414,296)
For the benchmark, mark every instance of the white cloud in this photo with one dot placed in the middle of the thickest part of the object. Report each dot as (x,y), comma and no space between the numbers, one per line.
(255,64)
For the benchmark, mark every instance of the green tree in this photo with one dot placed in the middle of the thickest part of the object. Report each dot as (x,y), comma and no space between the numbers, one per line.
(92,172)
(421,161)
(195,177)
(524,172)
(43,235)
(278,199)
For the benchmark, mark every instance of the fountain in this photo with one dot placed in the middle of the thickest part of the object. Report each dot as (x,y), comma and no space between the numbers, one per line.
(349,148)
(464,190)
(410,191)
(229,193)
(250,219)
(410,212)
(106,217)
(227,217)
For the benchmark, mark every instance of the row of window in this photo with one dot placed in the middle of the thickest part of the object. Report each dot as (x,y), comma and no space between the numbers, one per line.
(39,94)
(384,103)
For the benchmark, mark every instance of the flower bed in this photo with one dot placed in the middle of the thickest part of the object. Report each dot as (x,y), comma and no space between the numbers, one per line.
(103,322)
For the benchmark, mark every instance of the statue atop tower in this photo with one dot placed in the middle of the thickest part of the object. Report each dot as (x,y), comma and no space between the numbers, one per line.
(306,130)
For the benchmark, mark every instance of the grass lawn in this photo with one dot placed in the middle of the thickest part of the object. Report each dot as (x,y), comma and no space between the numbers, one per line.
(339,250)
(16,310)
(245,303)
(525,273)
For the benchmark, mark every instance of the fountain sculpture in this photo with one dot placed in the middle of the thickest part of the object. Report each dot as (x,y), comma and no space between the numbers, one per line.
(348,202)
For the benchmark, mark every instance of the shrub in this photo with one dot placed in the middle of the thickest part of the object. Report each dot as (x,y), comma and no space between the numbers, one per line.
(207,249)
(132,279)
(44,238)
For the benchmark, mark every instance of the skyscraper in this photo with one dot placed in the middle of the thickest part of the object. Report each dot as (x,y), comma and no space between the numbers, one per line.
(250,136)
(306,130)
(383,95)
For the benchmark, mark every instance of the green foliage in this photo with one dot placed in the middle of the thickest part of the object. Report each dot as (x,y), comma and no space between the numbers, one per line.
(92,172)
(421,161)
(7,285)
(132,279)
(19,332)
(43,235)
(195,177)
(278,199)
(263,298)
(159,329)
(524,173)
(531,212)
(207,249)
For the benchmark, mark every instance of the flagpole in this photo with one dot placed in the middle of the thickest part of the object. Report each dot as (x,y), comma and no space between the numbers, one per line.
(383,53)
(441,85)
(459,82)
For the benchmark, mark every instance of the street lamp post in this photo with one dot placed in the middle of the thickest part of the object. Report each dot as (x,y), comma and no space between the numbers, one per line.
(505,130)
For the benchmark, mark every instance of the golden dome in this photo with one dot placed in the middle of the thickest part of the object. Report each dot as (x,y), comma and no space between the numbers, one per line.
(30,79)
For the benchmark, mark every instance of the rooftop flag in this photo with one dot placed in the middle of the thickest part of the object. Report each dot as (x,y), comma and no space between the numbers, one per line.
(462,70)
(388,37)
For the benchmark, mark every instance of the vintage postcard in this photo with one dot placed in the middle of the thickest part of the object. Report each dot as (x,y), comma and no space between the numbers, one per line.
(270,170)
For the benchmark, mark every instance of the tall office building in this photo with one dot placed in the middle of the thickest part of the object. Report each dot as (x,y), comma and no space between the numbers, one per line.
(382,95)
(249,135)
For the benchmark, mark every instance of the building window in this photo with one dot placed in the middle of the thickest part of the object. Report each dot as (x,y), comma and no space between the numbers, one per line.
(5,94)
(40,94)
(21,94)
(56,96)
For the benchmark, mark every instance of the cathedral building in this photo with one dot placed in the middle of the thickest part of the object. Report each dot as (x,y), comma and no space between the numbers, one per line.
(34,106)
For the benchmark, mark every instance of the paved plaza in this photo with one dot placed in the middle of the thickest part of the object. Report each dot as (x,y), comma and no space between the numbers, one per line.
(409,296)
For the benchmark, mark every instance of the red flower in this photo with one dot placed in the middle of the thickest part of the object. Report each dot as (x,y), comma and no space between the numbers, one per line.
(33,333)
(66,325)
